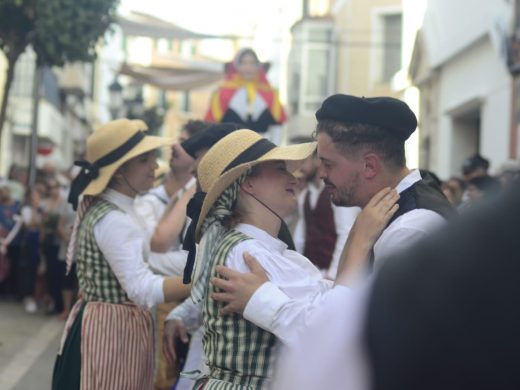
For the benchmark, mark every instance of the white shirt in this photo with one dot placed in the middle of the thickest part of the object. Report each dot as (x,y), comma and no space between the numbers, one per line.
(344,218)
(150,209)
(293,274)
(189,313)
(151,205)
(120,237)
(408,228)
(326,314)
(330,353)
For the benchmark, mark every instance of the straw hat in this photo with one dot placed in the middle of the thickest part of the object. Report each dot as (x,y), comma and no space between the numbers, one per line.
(109,147)
(235,154)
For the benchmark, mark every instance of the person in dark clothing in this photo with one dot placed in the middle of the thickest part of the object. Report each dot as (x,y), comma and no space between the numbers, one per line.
(482,187)
(9,209)
(475,166)
(444,315)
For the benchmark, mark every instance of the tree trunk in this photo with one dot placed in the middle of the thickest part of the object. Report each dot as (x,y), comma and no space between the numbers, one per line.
(7,87)
(37,81)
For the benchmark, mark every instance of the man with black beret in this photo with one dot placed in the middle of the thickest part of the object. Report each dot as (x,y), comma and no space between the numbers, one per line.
(361,147)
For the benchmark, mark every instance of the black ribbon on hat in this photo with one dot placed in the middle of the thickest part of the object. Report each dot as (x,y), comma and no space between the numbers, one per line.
(90,171)
(254,152)
(193,211)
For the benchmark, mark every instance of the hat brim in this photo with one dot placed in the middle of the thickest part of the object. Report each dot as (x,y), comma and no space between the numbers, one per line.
(148,143)
(293,155)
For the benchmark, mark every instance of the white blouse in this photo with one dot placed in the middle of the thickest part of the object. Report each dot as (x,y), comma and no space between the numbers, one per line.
(286,269)
(122,239)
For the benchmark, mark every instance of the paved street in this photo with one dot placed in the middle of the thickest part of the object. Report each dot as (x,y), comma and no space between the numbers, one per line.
(28,346)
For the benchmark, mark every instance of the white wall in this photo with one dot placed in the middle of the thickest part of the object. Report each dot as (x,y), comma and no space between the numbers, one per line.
(475,75)
(451,25)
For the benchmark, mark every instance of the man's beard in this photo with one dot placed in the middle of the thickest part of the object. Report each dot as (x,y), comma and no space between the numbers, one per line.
(344,196)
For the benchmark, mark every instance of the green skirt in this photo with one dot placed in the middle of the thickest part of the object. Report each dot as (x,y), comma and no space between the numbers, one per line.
(67,368)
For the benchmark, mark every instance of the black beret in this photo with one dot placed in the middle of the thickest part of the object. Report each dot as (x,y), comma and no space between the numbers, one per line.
(388,113)
(208,137)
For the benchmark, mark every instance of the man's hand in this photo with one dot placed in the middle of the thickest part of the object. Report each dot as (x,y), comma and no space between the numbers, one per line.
(238,287)
(173,329)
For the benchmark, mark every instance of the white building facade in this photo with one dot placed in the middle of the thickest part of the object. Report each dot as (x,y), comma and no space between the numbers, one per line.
(460,66)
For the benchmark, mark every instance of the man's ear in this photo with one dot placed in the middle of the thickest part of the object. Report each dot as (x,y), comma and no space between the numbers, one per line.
(372,166)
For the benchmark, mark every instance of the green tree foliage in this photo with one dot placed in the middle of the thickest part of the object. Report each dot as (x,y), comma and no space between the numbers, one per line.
(59,31)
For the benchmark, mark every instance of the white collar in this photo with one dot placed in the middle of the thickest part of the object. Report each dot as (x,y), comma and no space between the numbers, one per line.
(409,180)
(261,235)
(124,202)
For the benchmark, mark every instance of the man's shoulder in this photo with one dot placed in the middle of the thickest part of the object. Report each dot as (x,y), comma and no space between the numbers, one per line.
(419,219)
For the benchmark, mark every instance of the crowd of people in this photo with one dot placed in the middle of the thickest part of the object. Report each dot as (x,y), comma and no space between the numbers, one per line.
(327,263)
(35,225)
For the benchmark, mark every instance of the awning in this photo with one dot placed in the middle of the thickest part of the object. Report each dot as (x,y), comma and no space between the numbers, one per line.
(180,77)
(144,25)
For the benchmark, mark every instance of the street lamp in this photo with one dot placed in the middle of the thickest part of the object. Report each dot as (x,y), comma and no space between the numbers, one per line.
(135,105)
(116,99)
(128,102)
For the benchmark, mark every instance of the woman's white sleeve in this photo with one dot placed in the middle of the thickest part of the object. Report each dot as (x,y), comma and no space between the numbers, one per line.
(121,242)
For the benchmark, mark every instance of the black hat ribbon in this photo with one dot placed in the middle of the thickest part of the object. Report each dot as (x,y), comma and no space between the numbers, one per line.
(90,171)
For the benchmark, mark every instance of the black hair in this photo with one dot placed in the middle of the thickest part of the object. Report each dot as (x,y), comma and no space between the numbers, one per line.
(473,163)
(245,52)
(353,138)
(488,185)
(193,126)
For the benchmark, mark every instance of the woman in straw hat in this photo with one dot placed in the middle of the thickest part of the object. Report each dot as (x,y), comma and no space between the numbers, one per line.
(247,189)
(108,338)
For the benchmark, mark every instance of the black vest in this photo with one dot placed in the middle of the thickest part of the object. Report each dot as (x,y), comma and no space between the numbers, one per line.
(424,194)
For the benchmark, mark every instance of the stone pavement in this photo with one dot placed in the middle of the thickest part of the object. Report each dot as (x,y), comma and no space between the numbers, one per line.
(28,347)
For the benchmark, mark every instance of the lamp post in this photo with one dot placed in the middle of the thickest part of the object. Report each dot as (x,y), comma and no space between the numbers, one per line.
(128,102)
(135,103)
(115,105)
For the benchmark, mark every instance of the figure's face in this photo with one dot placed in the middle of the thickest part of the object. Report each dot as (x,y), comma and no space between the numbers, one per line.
(248,66)
(140,171)
(342,176)
(274,186)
